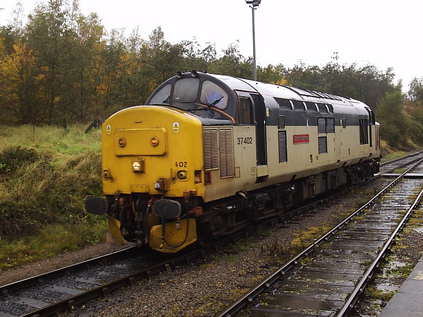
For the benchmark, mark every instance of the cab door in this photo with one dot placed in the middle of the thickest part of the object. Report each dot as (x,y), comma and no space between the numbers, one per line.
(255,102)
(370,126)
(260,121)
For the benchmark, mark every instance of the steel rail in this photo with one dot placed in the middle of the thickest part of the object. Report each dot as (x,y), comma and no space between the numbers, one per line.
(281,272)
(359,288)
(401,158)
(83,297)
(6,288)
(104,289)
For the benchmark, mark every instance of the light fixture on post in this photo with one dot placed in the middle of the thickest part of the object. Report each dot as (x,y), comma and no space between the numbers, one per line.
(254,5)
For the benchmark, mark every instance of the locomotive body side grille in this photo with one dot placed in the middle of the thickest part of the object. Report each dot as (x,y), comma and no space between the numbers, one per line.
(211,150)
(226,151)
(219,151)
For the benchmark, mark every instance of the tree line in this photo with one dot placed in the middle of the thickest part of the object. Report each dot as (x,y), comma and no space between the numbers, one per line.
(63,67)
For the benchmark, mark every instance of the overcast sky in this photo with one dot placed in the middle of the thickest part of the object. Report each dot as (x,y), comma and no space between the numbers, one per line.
(385,33)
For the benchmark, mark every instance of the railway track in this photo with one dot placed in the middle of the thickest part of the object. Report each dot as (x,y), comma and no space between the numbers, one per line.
(60,290)
(328,277)
(392,165)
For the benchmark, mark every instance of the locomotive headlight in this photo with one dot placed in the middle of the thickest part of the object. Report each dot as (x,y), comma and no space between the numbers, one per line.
(138,166)
(182,174)
(154,141)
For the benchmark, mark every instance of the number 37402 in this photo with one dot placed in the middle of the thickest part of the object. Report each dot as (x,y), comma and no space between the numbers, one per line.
(244,140)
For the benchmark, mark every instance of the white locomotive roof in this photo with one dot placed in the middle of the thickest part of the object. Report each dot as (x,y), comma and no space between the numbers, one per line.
(340,104)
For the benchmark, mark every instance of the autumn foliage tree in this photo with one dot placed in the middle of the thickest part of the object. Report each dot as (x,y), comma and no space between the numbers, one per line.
(63,67)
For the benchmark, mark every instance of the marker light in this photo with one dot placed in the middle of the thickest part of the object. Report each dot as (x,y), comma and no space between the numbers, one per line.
(122,142)
(154,141)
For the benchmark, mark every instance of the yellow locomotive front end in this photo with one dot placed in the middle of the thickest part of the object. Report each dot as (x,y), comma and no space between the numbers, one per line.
(152,176)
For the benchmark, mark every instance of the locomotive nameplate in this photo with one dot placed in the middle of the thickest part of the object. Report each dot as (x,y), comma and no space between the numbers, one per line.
(301,138)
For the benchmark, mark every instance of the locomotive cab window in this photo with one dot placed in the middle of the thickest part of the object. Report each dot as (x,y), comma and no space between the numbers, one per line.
(364,132)
(245,111)
(186,90)
(213,95)
(162,96)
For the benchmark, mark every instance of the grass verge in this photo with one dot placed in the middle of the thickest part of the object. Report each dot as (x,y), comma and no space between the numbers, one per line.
(45,174)
(50,241)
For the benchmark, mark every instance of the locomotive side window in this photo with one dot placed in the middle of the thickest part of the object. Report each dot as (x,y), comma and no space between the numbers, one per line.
(323,144)
(283,155)
(321,125)
(330,125)
(322,107)
(284,104)
(162,96)
(364,132)
(213,95)
(186,90)
(298,105)
(311,106)
(245,111)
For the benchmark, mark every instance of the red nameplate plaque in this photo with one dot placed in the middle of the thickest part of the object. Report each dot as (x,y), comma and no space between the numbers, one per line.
(301,138)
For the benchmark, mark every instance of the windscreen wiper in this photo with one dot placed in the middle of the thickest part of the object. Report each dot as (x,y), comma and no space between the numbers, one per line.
(214,103)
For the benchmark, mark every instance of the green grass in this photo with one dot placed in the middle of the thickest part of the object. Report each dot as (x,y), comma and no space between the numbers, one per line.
(50,241)
(44,177)
(379,294)
(63,144)
(393,155)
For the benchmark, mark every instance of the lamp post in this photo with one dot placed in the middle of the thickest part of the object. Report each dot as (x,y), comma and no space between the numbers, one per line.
(254,5)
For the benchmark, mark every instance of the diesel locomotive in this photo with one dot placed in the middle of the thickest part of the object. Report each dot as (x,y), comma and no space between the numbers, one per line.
(210,154)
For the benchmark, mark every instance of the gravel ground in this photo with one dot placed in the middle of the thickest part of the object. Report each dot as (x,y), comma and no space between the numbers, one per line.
(206,288)
(47,265)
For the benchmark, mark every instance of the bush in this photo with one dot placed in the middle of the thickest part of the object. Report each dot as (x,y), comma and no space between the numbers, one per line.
(13,157)
(38,192)
(395,124)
